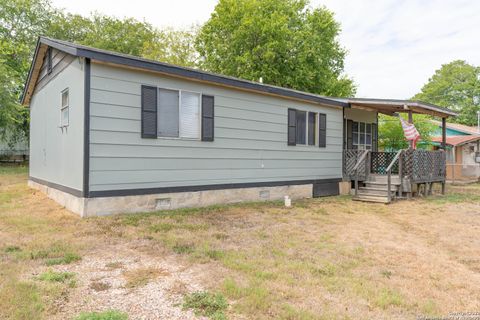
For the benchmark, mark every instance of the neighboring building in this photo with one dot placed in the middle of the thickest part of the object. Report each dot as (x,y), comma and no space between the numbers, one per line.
(18,151)
(114,133)
(463,151)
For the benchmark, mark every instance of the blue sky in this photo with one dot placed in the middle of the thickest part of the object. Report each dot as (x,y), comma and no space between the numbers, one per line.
(394,45)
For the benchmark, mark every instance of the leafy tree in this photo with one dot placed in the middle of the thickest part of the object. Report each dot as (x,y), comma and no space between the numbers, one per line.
(455,85)
(391,136)
(173,46)
(284,42)
(23,21)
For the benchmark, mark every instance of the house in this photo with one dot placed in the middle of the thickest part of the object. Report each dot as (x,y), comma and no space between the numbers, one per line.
(115,133)
(462,152)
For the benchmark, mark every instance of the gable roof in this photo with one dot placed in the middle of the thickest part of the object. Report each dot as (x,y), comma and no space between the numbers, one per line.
(459,127)
(132,61)
(457,140)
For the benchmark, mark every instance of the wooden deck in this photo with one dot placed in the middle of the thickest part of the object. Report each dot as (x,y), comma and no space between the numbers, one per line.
(389,175)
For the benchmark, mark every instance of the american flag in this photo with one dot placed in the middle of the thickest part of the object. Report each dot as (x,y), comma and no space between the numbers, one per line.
(410,131)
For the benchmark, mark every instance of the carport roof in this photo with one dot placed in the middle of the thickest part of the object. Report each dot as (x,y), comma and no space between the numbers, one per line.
(391,106)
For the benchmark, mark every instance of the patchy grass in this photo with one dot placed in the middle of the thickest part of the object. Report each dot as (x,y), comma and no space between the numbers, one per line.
(140,277)
(305,262)
(53,276)
(68,258)
(207,304)
(106,315)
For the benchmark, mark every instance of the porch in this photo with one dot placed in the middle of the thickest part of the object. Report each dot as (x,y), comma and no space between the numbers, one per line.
(383,176)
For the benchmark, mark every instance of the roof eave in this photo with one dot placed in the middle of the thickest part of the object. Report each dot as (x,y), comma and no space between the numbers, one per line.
(136,62)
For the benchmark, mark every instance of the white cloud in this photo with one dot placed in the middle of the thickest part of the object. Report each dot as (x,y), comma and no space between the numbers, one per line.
(394,45)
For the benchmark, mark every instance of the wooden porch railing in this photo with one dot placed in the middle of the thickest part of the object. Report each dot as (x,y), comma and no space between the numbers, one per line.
(418,166)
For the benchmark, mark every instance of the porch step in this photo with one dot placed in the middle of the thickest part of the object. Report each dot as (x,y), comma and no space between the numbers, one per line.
(371,198)
(376,191)
(381,185)
(377,178)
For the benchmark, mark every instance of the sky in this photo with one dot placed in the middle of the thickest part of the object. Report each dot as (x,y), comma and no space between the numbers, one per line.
(394,46)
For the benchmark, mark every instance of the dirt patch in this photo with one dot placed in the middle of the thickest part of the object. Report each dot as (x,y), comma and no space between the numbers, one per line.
(139,284)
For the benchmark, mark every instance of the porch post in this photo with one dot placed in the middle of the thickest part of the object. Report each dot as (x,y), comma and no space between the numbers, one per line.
(410,120)
(444,133)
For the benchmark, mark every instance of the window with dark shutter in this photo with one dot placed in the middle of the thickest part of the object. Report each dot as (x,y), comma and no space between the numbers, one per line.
(149,112)
(292,127)
(301,127)
(322,130)
(312,128)
(208,118)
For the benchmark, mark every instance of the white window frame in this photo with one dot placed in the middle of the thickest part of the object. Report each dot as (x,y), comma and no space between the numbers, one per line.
(306,129)
(63,107)
(365,145)
(200,94)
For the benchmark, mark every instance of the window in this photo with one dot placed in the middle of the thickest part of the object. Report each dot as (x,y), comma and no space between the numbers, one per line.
(362,135)
(64,118)
(306,127)
(178,114)
(301,127)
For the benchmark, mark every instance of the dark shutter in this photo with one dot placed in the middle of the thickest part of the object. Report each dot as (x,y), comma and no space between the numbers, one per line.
(292,127)
(312,124)
(149,112)
(349,134)
(208,114)
(49,60)
(374,137)
(322,130)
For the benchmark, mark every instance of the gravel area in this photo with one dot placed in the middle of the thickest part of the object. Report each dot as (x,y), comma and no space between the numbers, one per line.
(102,284)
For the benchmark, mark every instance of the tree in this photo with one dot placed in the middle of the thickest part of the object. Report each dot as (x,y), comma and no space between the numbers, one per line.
(20,23)
(23,21)
(391,136)
(455,85)
(283,42)
(173,46)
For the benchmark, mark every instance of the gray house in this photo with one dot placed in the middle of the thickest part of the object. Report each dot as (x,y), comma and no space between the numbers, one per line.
(115,133)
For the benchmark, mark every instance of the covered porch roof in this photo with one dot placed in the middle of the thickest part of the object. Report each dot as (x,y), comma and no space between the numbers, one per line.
(392,106)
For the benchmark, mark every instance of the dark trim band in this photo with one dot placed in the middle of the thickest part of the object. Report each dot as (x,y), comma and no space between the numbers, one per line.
(86,128)
(73,192)
(136,192)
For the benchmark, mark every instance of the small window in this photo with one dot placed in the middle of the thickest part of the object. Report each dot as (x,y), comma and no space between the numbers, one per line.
(362,135)
(65,108)
(301,127)
(178,114)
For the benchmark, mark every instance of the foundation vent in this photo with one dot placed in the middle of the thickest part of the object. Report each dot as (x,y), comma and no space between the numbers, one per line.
(264,194)
(163,203)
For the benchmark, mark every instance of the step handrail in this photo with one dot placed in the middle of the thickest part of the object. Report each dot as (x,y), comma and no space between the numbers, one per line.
(389,174)
(356,167)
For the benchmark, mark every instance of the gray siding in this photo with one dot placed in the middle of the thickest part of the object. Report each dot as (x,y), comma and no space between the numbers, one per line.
(56,155)
(250,138)
(60,60)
